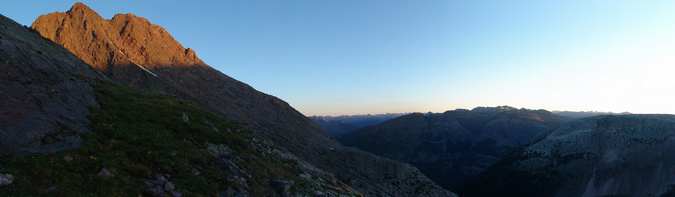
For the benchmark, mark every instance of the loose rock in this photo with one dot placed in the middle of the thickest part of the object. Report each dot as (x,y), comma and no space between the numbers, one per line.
(220,150)
(106,173)
(185,118)
(318,194)
(67,158)
(281,187)
(6,179)
(175,193)
(161,178)
(305,176)
(169,186)
(157,191)
(206,122)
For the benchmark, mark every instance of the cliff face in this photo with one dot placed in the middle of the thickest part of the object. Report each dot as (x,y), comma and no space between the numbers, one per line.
(455,145)
(45,93)
(123,40)
(609,155)
(132,51)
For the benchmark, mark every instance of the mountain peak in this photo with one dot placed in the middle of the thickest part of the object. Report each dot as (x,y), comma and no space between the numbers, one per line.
(80,9)
(80,6)
(124,40)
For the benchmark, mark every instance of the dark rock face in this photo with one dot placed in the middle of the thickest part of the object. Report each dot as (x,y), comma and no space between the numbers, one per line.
(609,155)
(455,145)
(132,51)
(45,93)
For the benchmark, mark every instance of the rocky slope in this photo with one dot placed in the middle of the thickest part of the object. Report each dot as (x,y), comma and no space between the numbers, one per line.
(609,155)
(45,91)
(66,130)
(455,145)
(132,51)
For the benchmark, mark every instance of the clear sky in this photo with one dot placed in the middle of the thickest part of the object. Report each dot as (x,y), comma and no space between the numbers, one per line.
(368,57)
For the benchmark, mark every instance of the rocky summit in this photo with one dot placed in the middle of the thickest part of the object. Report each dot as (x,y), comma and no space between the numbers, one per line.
(608,155)
(134,52)
(452,146)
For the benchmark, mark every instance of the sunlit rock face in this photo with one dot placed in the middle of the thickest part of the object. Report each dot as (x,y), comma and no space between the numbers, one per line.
(132,51)
(609,155)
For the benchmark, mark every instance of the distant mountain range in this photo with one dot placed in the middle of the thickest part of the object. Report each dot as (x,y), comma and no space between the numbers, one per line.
(453,146)
(336,125)
(584,114)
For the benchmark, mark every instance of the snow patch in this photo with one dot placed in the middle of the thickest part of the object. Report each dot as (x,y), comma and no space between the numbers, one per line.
(146,70)
(132,61)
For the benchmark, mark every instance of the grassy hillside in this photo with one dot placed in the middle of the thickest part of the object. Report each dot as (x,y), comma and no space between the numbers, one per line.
(137,134)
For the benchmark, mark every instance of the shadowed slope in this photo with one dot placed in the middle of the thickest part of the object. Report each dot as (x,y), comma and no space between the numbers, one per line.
(45,93)
(132,51)
(608,155)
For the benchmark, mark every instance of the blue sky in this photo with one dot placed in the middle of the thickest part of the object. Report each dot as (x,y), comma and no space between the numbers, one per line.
(369,57)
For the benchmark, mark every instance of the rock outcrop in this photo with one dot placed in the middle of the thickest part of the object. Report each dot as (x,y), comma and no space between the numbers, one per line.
(609,155)
(132,51)
(455,145)
(45,93)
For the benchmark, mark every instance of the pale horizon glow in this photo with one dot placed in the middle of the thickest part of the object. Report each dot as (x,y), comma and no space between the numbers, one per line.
(375,57)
